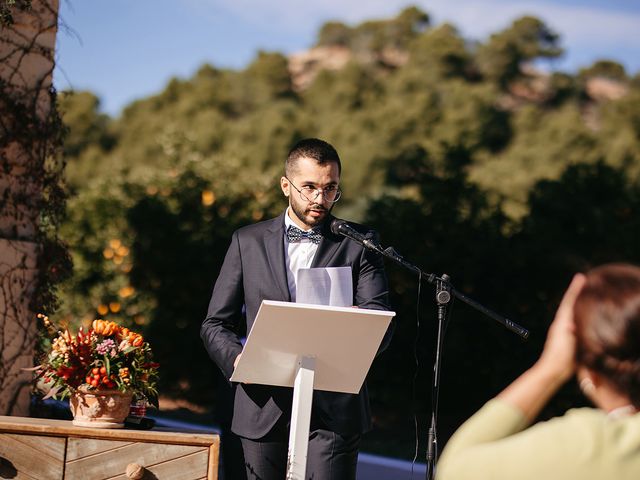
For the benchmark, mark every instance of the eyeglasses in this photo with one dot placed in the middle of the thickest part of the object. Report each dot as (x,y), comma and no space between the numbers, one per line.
(310,194)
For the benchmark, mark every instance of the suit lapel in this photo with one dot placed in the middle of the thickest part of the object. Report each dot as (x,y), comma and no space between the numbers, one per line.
(274,248)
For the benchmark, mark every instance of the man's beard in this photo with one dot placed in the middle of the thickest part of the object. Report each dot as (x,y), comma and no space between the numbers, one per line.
(303,217)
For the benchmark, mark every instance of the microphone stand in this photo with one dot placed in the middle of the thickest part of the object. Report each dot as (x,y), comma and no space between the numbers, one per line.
(444,292)
(443,297)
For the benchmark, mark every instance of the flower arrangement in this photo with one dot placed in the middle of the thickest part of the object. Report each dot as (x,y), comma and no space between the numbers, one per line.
(106,357)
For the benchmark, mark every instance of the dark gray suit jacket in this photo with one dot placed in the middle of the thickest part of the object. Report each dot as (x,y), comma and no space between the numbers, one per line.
(254,270)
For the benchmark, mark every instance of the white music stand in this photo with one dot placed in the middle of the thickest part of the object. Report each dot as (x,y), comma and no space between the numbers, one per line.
(310,347)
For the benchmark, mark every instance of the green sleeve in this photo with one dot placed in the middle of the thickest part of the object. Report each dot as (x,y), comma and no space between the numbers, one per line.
(494,444)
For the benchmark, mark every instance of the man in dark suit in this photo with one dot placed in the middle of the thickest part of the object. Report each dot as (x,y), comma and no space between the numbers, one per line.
(261,264)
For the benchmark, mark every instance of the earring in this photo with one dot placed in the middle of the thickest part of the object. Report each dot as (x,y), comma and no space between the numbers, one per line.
(587,386)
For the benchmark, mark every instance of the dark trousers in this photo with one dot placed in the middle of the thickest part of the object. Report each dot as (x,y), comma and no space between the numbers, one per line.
(331,456)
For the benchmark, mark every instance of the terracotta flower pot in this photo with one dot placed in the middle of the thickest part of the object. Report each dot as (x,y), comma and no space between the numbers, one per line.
(100,408)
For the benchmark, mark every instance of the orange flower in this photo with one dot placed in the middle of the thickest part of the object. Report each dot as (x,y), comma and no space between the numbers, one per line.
(135,339)
(102,327)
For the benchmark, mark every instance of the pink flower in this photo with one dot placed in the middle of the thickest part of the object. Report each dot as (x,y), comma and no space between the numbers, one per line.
(106,346)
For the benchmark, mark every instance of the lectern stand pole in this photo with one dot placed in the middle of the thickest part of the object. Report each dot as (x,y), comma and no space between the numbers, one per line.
(300,419)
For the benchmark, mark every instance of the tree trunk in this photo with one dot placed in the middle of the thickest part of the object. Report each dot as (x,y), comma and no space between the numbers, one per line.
(26,66)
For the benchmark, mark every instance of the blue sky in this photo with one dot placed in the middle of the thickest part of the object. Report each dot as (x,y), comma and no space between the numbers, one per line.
(123,50)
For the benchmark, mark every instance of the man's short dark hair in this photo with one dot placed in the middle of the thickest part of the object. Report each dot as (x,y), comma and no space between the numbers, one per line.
(314,148)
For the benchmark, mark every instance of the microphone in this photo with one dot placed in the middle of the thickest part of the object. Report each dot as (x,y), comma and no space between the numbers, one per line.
(341,227)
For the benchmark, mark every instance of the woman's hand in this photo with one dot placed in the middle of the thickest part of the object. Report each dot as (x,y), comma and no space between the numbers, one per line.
(558,355)
(531,390)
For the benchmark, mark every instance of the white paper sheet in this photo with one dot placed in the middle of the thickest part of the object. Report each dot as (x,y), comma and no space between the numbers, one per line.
(332,286)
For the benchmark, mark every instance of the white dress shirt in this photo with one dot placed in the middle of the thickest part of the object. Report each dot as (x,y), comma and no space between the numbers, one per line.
(297,255)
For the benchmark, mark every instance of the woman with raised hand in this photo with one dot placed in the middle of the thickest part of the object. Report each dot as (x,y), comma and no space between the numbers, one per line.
(596,336)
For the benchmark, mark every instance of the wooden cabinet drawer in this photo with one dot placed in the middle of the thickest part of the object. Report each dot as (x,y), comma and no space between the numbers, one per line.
(38,449)
(91,459)
(31,456)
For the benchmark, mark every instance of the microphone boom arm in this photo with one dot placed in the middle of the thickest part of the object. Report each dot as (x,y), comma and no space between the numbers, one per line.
(392,254)
(341,227)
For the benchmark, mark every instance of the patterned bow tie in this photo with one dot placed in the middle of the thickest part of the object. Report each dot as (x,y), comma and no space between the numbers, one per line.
(294,235)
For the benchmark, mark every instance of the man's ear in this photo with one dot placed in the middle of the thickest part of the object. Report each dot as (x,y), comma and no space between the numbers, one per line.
(285,185)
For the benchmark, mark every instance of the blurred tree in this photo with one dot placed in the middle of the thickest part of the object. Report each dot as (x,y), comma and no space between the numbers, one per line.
(604,68)
(80,111)
(528,38)
(470,118)
(409,23)
(443,50)
(544,143)
(346,90)
(334,34)
(89,138)
(270,77)
(373,36)
(562,88)
(619,133)
(584,218)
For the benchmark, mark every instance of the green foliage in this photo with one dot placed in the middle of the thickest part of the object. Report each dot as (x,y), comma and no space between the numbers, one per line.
(565,211)
(606,69)
(620,133)
(334,34)
(90,137)
(375,35)
(544,143)
(562,87)
(81,109)
(270,77)
(443,50)
(528,38)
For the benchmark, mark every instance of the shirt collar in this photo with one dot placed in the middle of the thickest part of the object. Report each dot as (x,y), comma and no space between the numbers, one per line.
(288,222)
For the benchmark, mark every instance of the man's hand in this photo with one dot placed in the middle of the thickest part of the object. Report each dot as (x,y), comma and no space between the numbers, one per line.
(235,365)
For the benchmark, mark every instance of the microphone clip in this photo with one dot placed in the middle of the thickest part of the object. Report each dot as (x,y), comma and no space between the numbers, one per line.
(342,227)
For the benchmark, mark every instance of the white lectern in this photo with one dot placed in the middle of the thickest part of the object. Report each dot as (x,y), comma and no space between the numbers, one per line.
(310,347)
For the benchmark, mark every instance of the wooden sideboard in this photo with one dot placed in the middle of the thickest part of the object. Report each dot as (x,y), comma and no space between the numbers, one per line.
(33,448)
